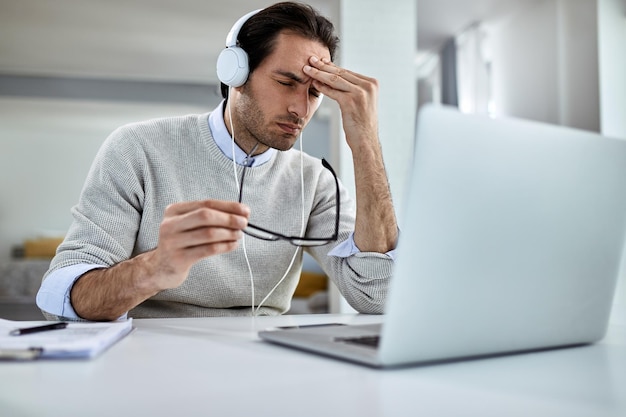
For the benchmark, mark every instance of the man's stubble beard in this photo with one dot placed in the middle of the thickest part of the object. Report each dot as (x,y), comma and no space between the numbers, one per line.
(252,123)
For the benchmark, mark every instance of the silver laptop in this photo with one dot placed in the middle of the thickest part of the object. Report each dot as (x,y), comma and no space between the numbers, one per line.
(511,241)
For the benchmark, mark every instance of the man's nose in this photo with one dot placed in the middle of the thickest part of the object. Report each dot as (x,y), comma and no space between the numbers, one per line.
(300,105)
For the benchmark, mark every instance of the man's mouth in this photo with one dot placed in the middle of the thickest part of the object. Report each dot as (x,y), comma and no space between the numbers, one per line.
(290,128)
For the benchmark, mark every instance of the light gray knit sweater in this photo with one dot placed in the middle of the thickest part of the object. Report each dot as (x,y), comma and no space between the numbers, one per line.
(143,167)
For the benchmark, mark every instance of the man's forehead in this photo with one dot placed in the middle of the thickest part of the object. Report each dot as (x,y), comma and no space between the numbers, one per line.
(295,46)
(290,53)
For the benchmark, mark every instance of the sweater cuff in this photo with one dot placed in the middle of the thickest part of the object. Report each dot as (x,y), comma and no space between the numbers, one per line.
(348,248)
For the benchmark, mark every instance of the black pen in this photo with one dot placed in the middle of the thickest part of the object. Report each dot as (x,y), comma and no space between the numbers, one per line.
(44,328)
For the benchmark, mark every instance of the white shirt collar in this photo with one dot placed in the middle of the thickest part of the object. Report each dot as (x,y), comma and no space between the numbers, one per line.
(223,140)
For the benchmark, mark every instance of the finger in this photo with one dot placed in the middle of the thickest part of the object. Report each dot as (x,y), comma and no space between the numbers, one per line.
(331,74)
(185,256)
(177,228)
(211,236)
(334,80)
(195,253)
(207,217)
(220,205)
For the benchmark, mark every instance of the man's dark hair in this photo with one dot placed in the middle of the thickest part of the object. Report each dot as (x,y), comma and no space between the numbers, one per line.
(258,34)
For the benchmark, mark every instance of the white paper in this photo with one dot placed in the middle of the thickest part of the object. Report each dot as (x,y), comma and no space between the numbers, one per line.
(77,340)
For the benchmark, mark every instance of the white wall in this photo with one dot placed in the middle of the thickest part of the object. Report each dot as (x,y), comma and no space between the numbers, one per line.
(612,62)
(46,149)
(524,67)
(545,64)
(578,64)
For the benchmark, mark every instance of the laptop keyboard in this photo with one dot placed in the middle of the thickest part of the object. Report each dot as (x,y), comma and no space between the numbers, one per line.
(369,341)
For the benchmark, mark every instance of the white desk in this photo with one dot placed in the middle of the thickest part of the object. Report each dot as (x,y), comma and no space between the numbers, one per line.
(218,367)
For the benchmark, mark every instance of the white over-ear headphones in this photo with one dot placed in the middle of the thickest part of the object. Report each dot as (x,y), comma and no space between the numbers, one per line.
(232,63)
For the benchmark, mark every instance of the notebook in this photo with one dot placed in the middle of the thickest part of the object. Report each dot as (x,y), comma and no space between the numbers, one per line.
(73,340)
(511,240)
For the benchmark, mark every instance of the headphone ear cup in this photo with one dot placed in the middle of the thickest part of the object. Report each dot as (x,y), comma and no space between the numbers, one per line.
(232,66)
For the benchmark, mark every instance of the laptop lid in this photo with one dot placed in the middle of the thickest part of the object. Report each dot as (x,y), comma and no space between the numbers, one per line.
(511,240)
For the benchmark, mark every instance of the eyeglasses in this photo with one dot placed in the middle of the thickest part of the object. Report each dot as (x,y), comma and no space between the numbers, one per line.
(264,234)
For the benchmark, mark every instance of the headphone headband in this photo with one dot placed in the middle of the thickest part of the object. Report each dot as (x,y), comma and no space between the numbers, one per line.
(231,39)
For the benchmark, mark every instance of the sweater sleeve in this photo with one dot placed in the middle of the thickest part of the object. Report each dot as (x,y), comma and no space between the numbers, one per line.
(361,277)
(108,214)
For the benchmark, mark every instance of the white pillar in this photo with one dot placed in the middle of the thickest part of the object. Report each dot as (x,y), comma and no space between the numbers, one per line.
(379,39)
(612,62)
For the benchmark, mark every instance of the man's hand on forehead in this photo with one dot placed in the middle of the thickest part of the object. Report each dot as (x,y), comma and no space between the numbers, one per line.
(356,94)
(328,74)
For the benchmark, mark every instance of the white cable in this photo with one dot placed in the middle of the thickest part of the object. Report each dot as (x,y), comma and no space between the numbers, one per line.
(243,237)
(302,228)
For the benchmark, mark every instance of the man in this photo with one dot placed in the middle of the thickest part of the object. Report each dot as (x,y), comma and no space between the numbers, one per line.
(167,226)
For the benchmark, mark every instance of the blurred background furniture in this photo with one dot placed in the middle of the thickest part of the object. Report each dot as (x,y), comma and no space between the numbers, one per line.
(19,281)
